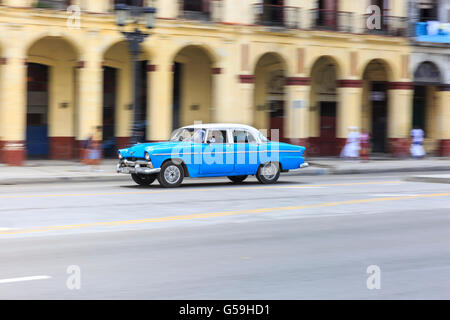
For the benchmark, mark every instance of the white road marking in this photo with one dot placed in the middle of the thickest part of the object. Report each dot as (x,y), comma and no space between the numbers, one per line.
(7,229)
(22,279)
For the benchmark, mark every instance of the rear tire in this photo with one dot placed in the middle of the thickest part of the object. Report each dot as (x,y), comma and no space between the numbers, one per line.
(143,179)
(268,173)
(237,179)
(171,175)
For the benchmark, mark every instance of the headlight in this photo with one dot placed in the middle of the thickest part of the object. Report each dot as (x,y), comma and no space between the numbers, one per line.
(120,156)
(147,156)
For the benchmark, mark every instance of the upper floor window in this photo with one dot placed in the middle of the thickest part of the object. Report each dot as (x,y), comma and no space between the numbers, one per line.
(136,3)
(195,9)
(275,13)
(53,4)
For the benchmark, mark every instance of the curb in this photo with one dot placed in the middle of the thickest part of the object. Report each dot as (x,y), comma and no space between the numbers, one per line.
(23,181)
(323,171)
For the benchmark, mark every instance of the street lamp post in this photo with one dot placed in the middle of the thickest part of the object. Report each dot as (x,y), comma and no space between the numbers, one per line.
(136,13)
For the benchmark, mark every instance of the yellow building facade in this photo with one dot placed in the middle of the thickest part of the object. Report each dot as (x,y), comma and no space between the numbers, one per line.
(310,69)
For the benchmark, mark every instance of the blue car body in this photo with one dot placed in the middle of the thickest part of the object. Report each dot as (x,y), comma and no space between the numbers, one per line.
(212,159)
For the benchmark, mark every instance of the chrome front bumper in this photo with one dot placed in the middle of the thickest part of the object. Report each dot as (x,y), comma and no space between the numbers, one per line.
(302,166)
(138,167)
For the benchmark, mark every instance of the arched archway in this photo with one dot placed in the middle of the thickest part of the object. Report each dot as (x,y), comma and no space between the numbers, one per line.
(51,98)
(427,78)
(270,95)
(376,77)
(117,111)
(192,86)
(324,102)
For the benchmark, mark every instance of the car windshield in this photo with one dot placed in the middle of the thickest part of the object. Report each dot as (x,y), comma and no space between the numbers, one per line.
(262,138)
(188,135)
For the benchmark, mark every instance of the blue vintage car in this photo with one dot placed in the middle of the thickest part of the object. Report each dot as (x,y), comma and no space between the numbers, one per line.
(210,150)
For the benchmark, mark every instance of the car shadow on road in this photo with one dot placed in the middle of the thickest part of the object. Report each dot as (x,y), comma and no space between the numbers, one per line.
(156,185)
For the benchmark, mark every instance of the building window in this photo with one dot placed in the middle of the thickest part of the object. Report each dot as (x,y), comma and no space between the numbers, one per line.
(136,3)
(53,4)
(195,9)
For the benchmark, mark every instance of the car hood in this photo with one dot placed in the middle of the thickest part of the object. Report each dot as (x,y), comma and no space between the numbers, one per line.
(138,150)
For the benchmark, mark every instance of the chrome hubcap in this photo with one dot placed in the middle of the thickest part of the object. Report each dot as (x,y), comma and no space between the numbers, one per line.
(172,174)
(269,171)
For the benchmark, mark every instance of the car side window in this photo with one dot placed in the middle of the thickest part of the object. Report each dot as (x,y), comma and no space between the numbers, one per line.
(198,136)
(243,136)
(216,136)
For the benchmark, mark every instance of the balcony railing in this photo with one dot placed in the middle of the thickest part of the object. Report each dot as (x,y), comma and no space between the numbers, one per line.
(276,16)
(389,26)
(196,10)
(53,4)
(332,20)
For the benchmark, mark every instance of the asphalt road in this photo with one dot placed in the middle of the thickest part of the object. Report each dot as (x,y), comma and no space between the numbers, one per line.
(304,238)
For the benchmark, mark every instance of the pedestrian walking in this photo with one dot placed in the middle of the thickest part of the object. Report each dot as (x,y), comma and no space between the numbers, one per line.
(352,146)
(417,137)
(93,150)
(365,146)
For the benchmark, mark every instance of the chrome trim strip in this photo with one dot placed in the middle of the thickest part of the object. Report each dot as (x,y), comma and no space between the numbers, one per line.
(227,152)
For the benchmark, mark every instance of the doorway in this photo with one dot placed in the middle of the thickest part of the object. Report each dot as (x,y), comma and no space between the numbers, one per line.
(327,143)
(379,117)
(37,141)
(109,111)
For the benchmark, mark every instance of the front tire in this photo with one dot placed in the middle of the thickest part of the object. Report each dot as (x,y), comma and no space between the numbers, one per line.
(171,175)
(268,173)
(143,179)
(237,179)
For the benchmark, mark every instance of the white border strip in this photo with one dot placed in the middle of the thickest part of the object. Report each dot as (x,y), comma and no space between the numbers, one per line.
(12,280)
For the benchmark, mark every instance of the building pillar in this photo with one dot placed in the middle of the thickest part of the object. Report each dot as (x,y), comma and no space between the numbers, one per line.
(220,106)
(90,102)
(297,110)
(245,98)
(400,109)
(13,109)
(349,111)
(443,116)
(61,112)
(160,99)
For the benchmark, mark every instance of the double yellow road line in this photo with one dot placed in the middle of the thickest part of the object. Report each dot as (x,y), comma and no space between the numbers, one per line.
(229,213)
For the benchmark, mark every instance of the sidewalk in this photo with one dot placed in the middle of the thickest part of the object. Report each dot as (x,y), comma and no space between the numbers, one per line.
(377,165)
(47,171)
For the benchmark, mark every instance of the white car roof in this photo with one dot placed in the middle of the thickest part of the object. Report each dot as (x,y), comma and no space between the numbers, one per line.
(224,126)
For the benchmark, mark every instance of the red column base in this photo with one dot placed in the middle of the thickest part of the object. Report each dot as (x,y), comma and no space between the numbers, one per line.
(317,147)
(444,148)
(13,152)
(399,147)
(62,148)
(122,142)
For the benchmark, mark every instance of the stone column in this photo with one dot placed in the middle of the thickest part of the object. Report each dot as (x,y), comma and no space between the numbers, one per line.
(349,111)
(220,106)
(160,97)
(246,88)
(90,102)
(400,108)
(297,110)
(13,107)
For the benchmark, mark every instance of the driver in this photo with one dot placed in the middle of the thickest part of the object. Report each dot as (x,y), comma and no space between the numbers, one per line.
(198,136)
